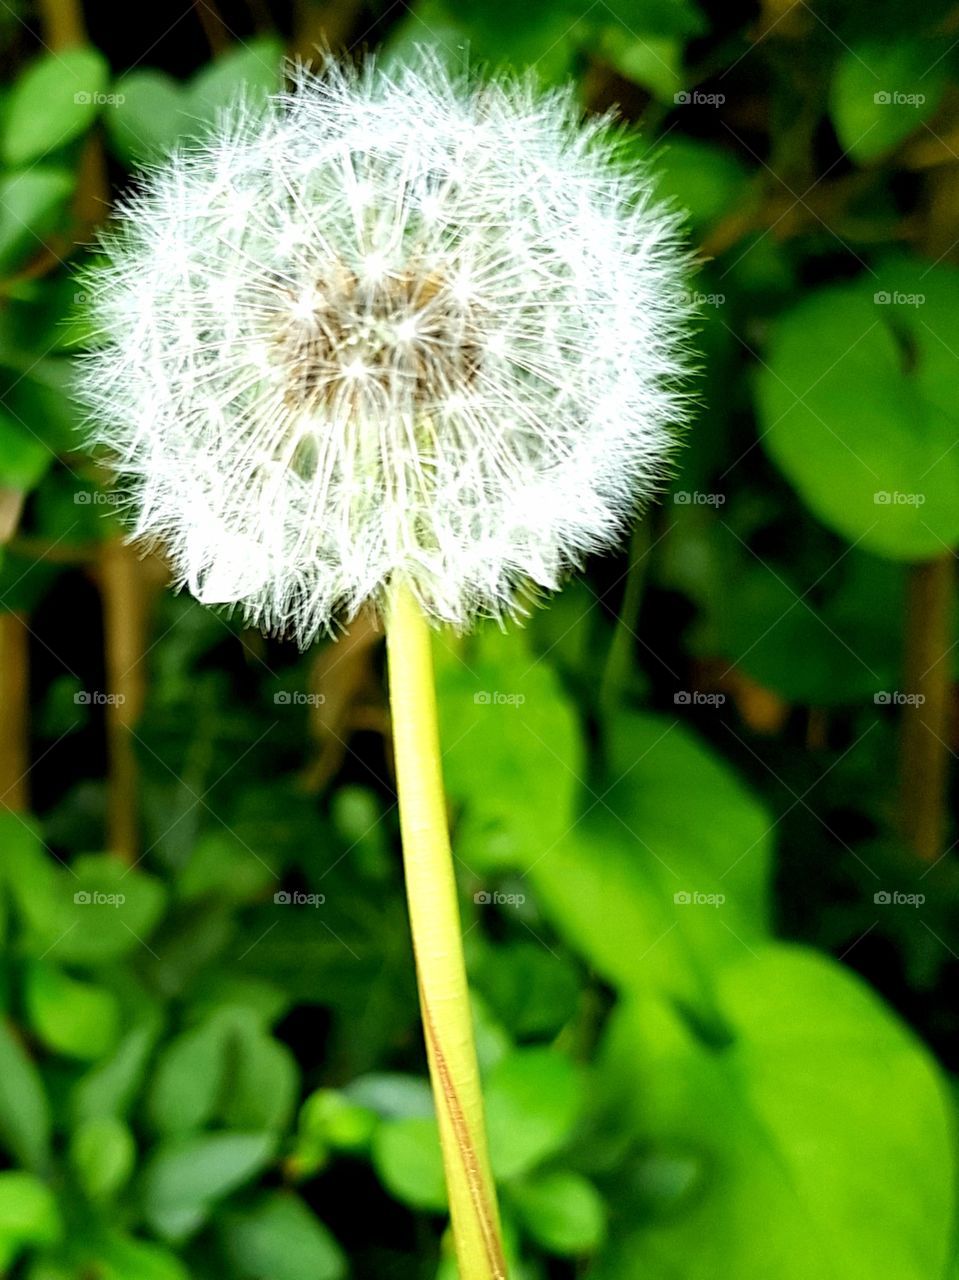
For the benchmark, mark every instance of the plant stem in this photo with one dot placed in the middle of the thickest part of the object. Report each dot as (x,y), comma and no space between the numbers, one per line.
(438,946)
(15,712)
(322,26)
(62,22)
(924,758)
(123,592)
(14,680)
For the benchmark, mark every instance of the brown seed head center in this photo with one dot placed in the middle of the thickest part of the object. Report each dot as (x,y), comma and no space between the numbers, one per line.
(400,339)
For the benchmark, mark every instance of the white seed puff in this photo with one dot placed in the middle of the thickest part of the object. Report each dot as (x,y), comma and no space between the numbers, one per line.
(398,325)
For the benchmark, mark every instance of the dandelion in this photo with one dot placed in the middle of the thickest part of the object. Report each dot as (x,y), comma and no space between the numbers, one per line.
(412,341)
(404,327)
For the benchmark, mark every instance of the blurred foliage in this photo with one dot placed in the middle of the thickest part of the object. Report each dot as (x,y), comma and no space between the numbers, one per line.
(672,792)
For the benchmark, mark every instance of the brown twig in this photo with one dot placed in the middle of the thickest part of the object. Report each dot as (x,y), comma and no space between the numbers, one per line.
(214,28)
(14,681)
(344,690)
(924,759)
(125,626)
(62,22)
(930,619)
(15,711)
(323,26)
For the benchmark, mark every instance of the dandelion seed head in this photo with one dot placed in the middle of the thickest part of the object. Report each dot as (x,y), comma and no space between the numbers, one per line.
(400,326)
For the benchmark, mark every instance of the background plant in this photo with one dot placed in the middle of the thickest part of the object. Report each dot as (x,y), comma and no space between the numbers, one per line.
(734,738)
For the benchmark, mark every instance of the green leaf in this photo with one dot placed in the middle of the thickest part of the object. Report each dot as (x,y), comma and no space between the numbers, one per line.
(541,34)
(814,1117)
(330,1121)
(533,1100)
(406,1156)
(701,178)
(108,1089)
(265,1001)
(264,1081)
(664,1177)
(74,1018)
(227,1067)
(116,909)
(54,317)
(188,1079)
(54,101)
(28,1215)
(24,1110)
(102,1155)
(512,749)
(561,1211)
(152,114)
(857,408)
(841,647)
(95,912)
(429,23)
(120,1257)
(281,1240)
(47,1268)
(42,400)
(330,1115)
(219,866)
(356,813)
(185,1177)
(533,992)
(252,71)
(881,93)
(492,1040)
(392,1095)
(653,62)
(23,458)
(670,873)
(658,17)
(31,206)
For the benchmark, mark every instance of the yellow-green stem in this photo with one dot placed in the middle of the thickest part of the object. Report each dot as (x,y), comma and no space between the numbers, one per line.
(437,943)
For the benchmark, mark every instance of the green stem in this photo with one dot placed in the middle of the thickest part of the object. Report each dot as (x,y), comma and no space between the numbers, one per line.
(438,946)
